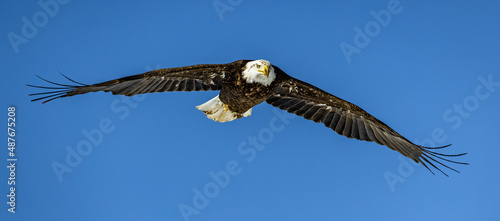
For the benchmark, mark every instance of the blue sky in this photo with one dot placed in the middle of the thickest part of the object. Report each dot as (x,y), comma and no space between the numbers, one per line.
(428,71)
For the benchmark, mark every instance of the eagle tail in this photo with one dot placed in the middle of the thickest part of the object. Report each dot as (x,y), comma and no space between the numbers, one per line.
(217,111)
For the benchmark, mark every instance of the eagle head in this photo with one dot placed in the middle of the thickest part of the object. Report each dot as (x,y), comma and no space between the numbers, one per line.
(260,71)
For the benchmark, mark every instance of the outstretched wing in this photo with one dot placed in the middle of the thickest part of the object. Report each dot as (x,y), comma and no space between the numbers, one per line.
(349,120)
(191,78)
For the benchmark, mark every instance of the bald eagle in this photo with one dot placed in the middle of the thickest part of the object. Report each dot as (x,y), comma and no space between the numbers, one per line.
(246,83)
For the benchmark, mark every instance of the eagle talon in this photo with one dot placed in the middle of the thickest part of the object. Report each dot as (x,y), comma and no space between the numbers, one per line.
(226,107)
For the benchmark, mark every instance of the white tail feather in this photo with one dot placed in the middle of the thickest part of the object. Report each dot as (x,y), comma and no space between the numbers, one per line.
(215,110)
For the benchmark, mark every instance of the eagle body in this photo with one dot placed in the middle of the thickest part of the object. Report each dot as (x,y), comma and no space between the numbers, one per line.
(241,96)
(246,83)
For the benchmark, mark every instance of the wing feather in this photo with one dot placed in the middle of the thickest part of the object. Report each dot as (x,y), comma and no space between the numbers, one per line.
(309,113)
(328,119)
(349,120)
(360,128)
(340,125)
(320,114)
(354,128)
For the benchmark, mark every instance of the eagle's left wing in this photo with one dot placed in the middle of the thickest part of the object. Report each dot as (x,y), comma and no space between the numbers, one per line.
(191,78)
(349,120)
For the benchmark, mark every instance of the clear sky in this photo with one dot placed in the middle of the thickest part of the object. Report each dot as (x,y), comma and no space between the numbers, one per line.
(428,69)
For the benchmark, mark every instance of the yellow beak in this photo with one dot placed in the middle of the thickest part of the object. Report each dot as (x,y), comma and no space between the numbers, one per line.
(264,70)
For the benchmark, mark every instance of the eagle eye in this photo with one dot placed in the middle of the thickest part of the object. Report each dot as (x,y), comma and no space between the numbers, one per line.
(258,66)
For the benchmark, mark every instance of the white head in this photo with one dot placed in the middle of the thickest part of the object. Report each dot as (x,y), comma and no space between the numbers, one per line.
(260,71)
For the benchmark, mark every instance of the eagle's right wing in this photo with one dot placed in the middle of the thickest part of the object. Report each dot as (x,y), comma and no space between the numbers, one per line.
(349,120)
(191,78)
